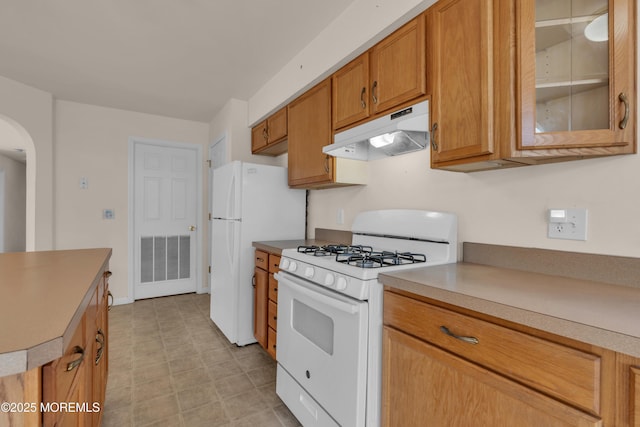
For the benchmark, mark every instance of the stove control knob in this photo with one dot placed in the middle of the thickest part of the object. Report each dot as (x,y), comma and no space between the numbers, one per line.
(342,284)
(284,263)
(329,279)
(293,266)
(308,272)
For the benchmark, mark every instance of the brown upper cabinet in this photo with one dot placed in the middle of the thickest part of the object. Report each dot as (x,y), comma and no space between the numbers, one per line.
(309,131)
(524,82)
(269,137)
(388,75)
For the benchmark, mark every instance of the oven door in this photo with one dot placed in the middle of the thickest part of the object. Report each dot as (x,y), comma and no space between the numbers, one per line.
(322,344)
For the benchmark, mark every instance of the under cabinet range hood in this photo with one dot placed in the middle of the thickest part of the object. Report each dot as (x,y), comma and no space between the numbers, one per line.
(400,132)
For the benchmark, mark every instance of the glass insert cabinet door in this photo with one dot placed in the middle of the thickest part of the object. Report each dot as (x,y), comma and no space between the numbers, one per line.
(576,66)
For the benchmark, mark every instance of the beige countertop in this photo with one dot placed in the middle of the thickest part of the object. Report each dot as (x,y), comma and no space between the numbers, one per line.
(601,314)
(43,296)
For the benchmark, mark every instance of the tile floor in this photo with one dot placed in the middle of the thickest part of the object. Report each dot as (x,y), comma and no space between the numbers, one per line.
(170,366)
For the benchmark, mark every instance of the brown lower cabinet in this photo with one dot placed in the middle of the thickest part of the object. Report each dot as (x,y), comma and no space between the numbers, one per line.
(265,299)
(443,366)
(69,391)
(80,376)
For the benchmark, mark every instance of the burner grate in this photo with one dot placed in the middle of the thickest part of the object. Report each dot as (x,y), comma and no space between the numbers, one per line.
(328,250)
(380,259)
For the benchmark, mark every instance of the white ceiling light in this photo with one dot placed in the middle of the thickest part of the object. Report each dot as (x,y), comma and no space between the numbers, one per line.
(598,29)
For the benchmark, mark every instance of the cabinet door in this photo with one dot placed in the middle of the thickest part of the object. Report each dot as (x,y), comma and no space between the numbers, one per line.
(260,306)
(577,70)
(350,93)
(65,379)
(99,362)
(309,131)
(272,337)
(460,75)
(426,386)
(259,136)
(277,126)
(398,67)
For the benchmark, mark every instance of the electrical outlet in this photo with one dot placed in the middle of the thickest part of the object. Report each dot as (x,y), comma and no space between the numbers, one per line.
(571,226)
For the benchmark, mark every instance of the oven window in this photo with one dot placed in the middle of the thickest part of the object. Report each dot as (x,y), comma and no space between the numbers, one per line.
(313,325)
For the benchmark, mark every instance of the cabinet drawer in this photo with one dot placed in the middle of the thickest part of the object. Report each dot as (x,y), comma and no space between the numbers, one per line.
(262,260)
(557,370)
(273,288)
(273,315)
(274,263)
(271,340)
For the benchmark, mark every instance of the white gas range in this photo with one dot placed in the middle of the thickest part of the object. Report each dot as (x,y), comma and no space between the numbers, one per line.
(330,313)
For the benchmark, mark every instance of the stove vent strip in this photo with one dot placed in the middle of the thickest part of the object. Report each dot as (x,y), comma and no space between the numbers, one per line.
(416,239)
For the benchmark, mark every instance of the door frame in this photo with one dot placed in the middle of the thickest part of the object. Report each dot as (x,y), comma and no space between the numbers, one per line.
(133,141)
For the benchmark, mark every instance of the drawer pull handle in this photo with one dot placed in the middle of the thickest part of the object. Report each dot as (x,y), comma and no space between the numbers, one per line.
(99,340)
(623,98)
(75,363)
(374,92)
(109,295)
(260,259)
(107,274)
(470,340)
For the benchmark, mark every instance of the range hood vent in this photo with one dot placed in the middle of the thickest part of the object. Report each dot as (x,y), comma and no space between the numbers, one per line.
(397,133)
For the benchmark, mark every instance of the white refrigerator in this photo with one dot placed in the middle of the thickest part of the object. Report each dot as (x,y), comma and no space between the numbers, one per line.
(250,203)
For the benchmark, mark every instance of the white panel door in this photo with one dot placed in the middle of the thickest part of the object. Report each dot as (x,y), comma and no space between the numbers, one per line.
(165,215)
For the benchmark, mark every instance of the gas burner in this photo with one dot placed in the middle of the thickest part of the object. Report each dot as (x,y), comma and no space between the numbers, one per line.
(328,250)
(380,259)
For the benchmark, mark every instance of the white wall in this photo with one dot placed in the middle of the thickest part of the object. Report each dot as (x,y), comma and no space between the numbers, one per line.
(14,218)
(31,112)
(93,142)
(500,207)
(359,27)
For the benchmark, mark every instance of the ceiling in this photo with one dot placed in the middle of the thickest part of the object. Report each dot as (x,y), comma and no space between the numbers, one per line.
(176,58)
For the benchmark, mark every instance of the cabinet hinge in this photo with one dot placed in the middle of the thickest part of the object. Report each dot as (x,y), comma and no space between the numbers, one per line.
(210,216)
(209,269)
(208,163)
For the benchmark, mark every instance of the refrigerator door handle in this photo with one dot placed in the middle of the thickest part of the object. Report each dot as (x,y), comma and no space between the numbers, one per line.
(231,243)
(230,197)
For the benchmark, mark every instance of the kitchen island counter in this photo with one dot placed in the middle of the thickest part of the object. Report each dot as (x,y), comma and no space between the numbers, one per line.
(43,296)
(602,314)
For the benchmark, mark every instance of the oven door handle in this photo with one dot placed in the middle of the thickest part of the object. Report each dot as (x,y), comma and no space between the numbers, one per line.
(299,286)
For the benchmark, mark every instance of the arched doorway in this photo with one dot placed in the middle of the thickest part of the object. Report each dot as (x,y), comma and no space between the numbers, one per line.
(18,158)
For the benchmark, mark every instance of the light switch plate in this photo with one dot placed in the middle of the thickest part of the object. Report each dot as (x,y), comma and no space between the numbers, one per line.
(108,214)
(575,227)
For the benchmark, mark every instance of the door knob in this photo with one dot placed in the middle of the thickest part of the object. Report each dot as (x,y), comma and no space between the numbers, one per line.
(192,228)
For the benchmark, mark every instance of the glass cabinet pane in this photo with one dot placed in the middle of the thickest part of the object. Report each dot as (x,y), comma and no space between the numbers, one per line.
(572,65)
